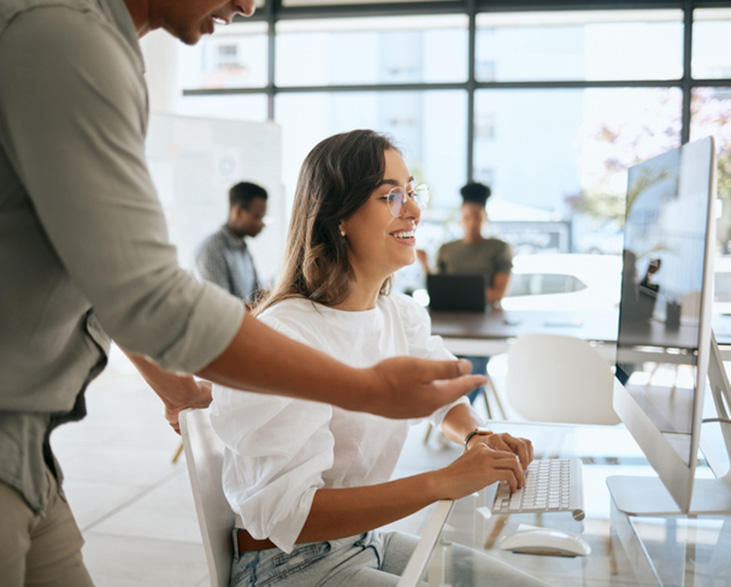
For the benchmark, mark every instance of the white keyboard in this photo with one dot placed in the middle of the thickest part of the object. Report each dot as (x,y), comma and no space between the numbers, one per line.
(551,485)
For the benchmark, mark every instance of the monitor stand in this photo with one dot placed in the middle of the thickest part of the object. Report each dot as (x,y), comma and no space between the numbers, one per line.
(647,496)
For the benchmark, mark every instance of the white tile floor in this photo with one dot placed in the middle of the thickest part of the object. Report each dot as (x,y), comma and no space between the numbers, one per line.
(133,505)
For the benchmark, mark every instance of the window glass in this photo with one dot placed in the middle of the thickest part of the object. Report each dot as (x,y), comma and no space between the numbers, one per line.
(723,287)
(235,57)
(239,107)
(429,128)
(554,154)
(350,2)
(372,50)
(570,45)
(711,115)
(711,32)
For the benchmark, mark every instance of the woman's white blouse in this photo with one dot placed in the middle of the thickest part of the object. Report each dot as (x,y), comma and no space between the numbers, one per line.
(280,451)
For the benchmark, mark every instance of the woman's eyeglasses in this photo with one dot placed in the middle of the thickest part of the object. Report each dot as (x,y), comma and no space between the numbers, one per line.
(397,197)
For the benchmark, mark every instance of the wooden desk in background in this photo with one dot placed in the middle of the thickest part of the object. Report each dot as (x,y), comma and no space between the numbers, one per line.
(489,333)
(486,334)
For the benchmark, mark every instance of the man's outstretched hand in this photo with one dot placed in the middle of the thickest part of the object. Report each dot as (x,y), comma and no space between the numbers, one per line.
(406,387)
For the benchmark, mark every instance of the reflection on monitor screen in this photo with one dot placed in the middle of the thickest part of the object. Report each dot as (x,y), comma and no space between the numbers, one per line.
(662,283)
(665,341)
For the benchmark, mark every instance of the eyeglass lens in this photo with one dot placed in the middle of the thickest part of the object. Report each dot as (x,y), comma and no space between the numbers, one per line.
(397,198)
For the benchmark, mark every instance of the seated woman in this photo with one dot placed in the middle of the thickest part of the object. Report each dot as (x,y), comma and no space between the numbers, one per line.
(308,482)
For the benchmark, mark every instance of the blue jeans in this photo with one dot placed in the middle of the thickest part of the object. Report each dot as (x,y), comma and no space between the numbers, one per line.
(479,366)
(373,559)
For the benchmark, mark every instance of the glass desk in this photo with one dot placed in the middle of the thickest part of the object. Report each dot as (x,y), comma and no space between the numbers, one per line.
(625,550)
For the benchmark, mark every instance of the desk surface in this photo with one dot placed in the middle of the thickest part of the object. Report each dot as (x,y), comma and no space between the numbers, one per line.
(625,550)
(488,333)
(504,324)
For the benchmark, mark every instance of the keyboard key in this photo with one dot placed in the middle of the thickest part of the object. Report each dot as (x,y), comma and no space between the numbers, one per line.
(551,485)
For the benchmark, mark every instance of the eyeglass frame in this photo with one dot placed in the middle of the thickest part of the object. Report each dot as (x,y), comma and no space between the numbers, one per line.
(406,195)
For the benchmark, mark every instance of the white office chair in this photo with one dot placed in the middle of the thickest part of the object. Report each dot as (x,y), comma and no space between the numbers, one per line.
(555,378)
(204,457)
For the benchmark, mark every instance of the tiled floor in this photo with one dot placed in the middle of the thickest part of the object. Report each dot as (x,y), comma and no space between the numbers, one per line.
(133,504)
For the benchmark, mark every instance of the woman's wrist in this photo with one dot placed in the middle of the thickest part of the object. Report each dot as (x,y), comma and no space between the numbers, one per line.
(475,433)
(437,485)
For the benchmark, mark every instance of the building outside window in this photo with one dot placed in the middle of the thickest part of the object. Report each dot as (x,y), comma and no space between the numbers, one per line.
(549,107)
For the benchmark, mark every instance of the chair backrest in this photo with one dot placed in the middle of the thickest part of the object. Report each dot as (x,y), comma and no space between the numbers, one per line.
(204,457)
(554,378)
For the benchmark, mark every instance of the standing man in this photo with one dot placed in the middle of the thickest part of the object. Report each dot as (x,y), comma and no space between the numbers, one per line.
(85,258)
(223,257)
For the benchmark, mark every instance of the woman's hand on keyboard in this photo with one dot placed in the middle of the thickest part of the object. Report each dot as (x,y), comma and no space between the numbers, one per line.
(520,447)
(477,468)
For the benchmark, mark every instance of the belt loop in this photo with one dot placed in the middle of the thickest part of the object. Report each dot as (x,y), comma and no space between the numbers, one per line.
(235,540)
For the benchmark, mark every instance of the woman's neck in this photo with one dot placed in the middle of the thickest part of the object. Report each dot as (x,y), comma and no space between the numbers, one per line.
(363,295)
(473,238)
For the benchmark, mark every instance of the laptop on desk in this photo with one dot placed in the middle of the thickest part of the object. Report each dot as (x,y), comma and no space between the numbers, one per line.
(452,292)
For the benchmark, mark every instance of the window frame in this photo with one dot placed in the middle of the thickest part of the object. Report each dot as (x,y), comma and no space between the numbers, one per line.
(273,11)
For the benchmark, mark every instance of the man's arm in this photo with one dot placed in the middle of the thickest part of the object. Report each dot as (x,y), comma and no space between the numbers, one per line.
(399,388)
(177,392)
(261,359)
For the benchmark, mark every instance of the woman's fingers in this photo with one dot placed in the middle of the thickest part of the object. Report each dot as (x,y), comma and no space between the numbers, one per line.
(520,447)
(483,466)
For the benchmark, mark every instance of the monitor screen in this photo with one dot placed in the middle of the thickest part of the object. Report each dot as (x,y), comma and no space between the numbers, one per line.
(665,315)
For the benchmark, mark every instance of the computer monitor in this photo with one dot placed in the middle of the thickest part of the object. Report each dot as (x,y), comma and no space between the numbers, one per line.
(665,345)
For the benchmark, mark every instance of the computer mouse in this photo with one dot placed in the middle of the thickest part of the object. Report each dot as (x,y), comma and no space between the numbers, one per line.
(545,541)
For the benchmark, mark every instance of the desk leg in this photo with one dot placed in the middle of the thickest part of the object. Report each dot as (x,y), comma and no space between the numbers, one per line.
(645,572)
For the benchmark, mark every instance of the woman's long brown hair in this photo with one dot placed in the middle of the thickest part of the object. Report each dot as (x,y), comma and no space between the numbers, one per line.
(337,177)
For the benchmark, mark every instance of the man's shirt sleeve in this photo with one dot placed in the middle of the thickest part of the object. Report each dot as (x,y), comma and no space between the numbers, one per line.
(72,122)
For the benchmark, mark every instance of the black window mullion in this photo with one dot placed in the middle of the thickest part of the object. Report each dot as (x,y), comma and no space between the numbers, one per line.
(686,85)
(471,88)
(275,11)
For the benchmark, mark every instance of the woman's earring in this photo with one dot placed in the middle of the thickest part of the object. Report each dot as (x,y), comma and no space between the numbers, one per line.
(342,234)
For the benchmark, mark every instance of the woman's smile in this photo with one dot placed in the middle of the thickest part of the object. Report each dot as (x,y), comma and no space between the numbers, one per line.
(405,236)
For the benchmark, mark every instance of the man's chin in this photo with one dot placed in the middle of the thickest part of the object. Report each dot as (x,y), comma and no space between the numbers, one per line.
(186,36)
(191,39)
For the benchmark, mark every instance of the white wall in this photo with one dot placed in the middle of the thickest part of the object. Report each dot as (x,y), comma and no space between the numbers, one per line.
(160,51)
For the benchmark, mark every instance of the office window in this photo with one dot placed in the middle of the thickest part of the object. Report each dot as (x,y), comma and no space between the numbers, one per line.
(371,50)
(235,57)
(564,100)
(238,107)
(350,2)
(711,34)
(570,45)
(428,127)
(228,56)
(711,115)
(563,153)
